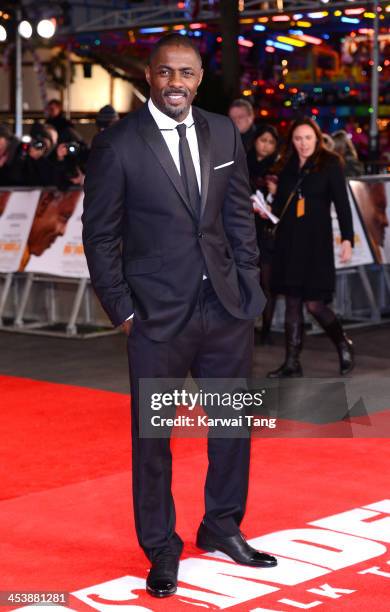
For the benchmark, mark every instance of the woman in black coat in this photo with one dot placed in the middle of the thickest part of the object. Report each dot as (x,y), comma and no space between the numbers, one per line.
(303,262)
(261,158)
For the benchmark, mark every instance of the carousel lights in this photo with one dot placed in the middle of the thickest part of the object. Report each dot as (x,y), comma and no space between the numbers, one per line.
(369,15)
(3,33)
(304,24)
(270,49)
(354,11)
(279,45)
(311,39)
(318,15)
(296,32)
(350,20)
(244,42)
(259,27)
(156,30)
(280,18)
(295,42)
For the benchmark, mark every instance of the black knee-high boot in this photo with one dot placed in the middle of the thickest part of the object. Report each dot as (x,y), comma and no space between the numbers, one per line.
(343,345)
(291,368)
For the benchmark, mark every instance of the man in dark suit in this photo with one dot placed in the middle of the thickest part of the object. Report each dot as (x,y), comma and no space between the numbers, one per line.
(171,248)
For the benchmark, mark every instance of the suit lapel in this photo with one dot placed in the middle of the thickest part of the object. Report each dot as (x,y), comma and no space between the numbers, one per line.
(203,137)
(153,137)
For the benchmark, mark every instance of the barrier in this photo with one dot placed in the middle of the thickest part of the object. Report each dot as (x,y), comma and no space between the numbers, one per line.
(44,281)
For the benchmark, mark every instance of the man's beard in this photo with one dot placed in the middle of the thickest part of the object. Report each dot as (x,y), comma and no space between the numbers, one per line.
(174,111)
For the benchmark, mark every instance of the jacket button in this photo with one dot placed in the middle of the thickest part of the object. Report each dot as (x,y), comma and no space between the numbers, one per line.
(200,235)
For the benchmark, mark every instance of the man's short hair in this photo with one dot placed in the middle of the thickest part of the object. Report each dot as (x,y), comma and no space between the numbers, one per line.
(174,40)
(241,103)
(55,101)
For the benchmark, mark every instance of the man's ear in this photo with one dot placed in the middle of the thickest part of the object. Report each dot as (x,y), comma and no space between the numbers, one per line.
(147,74)
(201,76)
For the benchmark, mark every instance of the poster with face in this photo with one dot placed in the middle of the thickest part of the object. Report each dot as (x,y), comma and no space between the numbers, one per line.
(55,241)
(361,253)
(17,210)
(372,198)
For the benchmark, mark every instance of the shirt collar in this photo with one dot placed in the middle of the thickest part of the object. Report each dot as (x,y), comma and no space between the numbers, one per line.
(166,123)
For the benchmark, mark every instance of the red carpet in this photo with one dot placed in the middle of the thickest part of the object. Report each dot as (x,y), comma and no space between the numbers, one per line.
(66,520)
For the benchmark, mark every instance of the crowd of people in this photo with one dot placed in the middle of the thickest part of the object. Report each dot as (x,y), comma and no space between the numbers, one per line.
(296,260)
(53,154)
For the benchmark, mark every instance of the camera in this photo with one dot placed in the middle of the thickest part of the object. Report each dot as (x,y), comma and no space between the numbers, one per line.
(73,148)
(38,144)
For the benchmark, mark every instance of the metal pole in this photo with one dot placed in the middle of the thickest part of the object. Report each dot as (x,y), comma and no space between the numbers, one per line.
(19,79)
(374,86)
(68,82)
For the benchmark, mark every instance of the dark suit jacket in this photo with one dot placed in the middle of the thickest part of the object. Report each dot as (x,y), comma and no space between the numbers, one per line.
(145,247)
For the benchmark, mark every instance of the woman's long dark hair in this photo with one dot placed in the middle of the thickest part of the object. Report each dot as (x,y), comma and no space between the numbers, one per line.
(318,159)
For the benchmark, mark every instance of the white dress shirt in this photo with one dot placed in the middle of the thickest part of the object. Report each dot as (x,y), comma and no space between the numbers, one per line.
(167,127)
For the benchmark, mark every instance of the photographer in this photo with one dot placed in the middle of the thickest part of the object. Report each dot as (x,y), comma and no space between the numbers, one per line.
(70,158)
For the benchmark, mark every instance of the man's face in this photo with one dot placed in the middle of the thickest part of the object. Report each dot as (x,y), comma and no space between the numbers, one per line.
(242,119)
(53,212)
(174,76)
(54,110)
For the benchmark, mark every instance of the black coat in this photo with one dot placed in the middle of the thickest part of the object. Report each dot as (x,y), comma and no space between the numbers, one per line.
(146,249)
(303,256)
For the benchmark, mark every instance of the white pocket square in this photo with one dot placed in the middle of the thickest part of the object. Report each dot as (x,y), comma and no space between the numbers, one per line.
(224,165)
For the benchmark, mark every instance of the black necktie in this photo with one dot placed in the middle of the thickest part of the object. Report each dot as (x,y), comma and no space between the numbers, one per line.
(187,170)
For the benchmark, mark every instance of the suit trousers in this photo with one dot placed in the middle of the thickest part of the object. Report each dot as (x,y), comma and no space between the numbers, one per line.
(213,344)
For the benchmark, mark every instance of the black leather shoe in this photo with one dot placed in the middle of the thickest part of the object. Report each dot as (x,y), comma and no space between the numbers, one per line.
(236,547)
(162,578)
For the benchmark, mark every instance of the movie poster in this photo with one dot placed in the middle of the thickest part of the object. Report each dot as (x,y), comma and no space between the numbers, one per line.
(55,241)
(17,210)
(361,253)
(372,198)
